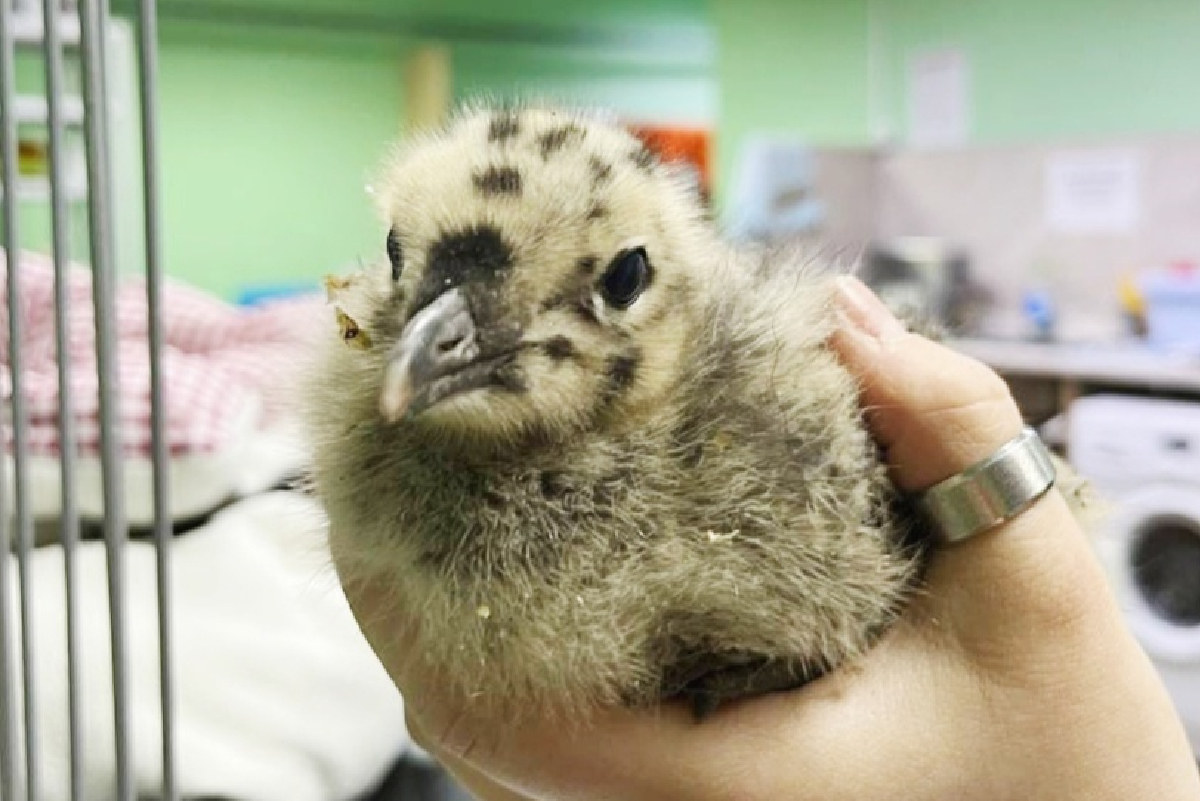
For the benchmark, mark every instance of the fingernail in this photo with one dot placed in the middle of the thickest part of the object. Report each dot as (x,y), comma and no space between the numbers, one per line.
(864,310)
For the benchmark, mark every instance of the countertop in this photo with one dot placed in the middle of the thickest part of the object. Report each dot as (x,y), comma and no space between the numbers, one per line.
(1129,364)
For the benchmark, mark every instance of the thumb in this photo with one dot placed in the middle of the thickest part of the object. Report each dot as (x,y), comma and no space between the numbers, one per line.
(936,412)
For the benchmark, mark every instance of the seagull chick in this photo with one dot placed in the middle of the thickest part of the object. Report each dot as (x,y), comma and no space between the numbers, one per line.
(599,457)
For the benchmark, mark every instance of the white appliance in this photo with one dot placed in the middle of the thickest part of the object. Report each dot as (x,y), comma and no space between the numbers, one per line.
(1143,456)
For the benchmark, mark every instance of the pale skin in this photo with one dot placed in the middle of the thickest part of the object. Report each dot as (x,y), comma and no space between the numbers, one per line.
(1012,676)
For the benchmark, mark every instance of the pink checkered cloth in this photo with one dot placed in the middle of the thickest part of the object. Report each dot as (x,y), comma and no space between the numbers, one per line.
(222,364)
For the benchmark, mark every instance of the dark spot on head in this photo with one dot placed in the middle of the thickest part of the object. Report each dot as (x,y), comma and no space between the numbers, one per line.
(498,181)
(504,126)
(643,158)
(553,140)
(476,253)
(587,264)
(597,211)
(622,370)
(480,246)
(559,348)
(601,171)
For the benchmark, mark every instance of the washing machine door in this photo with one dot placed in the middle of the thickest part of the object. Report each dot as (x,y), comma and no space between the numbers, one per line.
(1153,556)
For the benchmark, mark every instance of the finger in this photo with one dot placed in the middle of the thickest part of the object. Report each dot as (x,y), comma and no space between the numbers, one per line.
(936,412)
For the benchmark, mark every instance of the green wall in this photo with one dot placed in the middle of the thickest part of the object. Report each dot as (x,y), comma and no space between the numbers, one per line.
(268,139)
(550,12)
(268,136)
(680,91)
(268,132)
(790,67)
(1056,68)
(649,61)
(834,71)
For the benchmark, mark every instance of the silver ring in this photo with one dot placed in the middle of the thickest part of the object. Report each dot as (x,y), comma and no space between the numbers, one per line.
(992,491)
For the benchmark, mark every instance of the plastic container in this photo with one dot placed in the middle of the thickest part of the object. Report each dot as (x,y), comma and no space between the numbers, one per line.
(1173,308)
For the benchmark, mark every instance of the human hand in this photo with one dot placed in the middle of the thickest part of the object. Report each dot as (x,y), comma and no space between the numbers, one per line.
(1011,676)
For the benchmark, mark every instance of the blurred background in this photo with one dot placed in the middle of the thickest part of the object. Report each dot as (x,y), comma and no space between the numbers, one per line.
(1025,173)
(1044,149)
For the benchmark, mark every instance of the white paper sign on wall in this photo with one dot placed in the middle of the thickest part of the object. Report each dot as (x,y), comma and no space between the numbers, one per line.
(938,98)
(1093,192)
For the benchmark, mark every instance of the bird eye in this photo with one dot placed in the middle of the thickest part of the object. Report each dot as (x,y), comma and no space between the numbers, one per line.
(626,279)
(394,253)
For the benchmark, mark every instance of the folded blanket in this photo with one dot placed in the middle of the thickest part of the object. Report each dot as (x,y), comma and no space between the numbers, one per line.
(227,374)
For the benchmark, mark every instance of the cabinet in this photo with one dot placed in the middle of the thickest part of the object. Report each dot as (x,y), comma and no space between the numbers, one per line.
(31,110)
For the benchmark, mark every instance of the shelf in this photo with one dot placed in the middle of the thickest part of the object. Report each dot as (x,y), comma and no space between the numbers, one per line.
(35,109)
(1119,364)
(27,28)
(37,190)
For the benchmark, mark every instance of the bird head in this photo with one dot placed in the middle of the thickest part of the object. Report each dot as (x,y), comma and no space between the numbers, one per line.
(540,271)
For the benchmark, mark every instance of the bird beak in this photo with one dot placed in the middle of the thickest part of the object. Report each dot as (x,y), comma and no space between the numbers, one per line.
(432,358)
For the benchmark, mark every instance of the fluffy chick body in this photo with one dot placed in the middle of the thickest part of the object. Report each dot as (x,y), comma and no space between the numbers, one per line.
(675,499)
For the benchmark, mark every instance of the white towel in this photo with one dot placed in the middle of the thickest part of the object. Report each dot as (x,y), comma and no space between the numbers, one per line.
(278,695)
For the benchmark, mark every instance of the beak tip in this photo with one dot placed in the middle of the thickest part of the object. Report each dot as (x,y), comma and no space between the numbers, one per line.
(391,413)
(395,400)
(438,339)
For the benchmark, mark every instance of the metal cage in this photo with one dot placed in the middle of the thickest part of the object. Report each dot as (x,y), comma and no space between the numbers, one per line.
(67,34)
